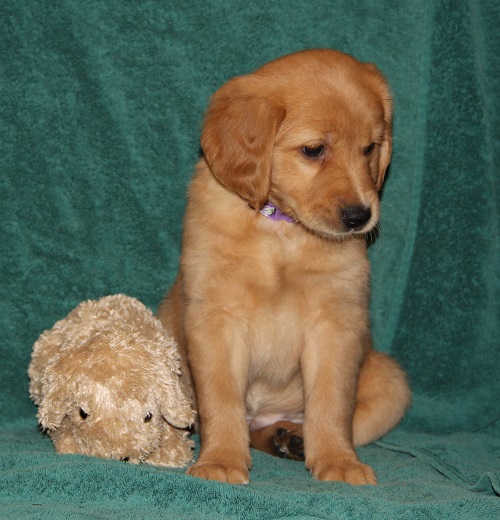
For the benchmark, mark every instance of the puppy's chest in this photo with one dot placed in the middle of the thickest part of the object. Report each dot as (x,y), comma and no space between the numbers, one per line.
(287,307)
(287,296)
(290,279)
(295,286)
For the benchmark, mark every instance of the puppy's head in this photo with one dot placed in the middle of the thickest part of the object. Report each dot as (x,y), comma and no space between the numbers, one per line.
(312,133)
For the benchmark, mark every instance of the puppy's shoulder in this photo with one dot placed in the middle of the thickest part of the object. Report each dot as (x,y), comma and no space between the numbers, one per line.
(214,211)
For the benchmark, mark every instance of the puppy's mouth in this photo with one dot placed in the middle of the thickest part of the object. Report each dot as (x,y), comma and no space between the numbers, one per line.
(351,221)
(331,221)
(330,234)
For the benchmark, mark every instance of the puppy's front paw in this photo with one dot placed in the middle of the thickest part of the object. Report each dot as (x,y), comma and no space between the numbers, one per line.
(352,472)
(230,473)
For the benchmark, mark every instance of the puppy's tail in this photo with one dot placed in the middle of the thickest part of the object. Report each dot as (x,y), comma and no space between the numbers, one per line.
(382,400)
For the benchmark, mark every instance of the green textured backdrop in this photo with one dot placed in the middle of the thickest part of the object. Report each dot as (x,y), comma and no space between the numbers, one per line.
(100,112)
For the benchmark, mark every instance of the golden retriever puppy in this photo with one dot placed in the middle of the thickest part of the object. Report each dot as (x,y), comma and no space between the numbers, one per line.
(270,307)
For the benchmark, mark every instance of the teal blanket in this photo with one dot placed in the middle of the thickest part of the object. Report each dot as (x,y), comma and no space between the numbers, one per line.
(100,113)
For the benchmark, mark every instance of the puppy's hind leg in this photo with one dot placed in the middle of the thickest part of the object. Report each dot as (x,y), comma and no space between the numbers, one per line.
(283,439)
(382,399)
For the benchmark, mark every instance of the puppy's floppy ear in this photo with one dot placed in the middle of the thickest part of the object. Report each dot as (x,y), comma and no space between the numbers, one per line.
(386,146)
(382,89)
(238,136)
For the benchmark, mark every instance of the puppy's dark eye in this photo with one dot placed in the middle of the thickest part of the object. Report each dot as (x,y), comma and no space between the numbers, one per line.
(369,149)
(83,413)
(148,417)
(313,152)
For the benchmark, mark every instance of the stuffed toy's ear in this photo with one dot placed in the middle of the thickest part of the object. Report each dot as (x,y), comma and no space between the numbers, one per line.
(44,350)
(238,137)
(174,405)
(51,410)
(57,390)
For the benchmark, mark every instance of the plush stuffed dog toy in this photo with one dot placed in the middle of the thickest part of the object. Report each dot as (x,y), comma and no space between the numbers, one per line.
(107,383)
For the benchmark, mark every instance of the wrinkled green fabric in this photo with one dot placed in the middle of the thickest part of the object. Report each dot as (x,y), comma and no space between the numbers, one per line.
(100,113)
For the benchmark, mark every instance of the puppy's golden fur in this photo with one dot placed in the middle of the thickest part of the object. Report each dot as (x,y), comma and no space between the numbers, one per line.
(272,316)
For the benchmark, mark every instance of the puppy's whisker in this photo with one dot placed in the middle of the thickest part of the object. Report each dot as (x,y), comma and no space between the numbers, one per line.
(392,207)
(375,235)
(398,226)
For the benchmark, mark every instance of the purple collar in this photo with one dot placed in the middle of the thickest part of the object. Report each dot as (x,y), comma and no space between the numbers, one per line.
(274,213)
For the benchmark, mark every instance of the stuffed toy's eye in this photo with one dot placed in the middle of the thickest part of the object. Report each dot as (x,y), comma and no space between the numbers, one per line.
(148,417)
(313,152)
(83,414)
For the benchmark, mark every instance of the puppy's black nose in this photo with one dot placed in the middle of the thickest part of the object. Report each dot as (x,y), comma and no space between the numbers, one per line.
(355,217)
(125,459)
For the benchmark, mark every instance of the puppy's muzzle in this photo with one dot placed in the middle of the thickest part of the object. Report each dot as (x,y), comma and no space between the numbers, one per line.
(356,217)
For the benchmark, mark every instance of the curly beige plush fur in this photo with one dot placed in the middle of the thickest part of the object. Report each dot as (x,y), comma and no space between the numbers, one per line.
(107,383)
